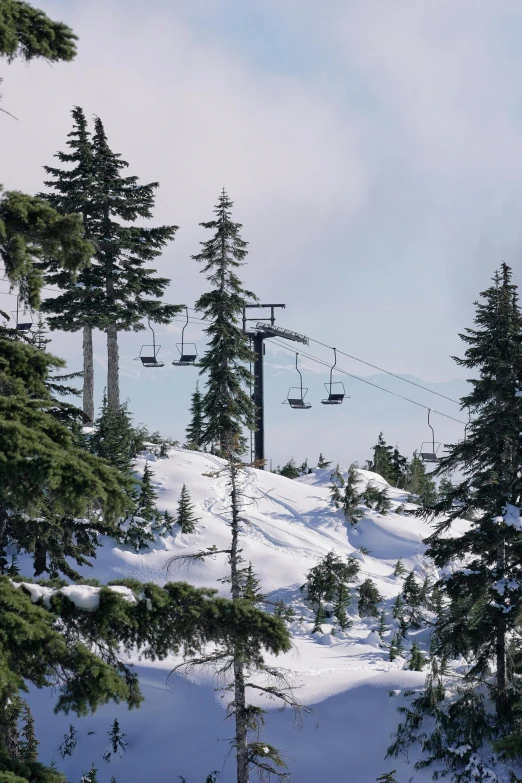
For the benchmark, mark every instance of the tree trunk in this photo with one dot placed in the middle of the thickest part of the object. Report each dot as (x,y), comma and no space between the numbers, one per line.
(240,711)
(113,370)
(88,375)
(501,633)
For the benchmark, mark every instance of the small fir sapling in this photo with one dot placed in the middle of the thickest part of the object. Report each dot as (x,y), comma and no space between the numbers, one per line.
(416,661)
(285,612)
(425,592)
(369,598)
(304,469)
(322,463)
(336,477)
(145,516)
(91,776)
(371,495)
(290,470)
(352,498)
(382,629)
(341,604)
(411,593)
(364,550)
(319,618)
(399,568)
(251,587)
(69,742)
(383,504)
(185,517)
(117,743)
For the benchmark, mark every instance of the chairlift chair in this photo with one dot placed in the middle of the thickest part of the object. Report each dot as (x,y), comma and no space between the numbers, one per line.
(429,449)
(187,351)
(149,353)
(335,390)
(296,394)
(22,317)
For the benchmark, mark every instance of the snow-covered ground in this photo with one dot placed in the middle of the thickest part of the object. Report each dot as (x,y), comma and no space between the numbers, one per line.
(347,678)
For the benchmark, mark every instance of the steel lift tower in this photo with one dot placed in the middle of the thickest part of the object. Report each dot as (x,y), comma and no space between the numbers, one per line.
(264,329)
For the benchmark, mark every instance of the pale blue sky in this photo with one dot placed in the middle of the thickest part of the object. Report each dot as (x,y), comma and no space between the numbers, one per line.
(373,151)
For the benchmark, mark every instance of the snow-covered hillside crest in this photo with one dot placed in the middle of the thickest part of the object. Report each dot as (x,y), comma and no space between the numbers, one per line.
(291,525)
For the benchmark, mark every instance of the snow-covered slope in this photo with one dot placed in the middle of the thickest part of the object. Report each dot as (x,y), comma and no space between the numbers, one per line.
(347,676)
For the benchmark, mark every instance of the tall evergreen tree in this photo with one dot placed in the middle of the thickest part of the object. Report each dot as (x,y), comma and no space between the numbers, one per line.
(117,291)
(194,431)
(486,590)
(352,497)
(227,405)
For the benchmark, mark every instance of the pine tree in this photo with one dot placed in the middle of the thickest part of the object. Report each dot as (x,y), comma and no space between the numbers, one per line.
(382,458)
(116,292)
(91,776)
(383,504)
(290,470)
(483,608)
(352,498)
(145,519)
(381,630)
(194,431)
(341,604)
(168,524)
(399,469)
(185,517)
(319,618)
(398,614)
(412,595)
(322,463)
(227,405)
(113,437)
(399,568)
(369,598)
(117,742)
(69,742)
(325,579)
(337,479)
(416,662)
(304,469)
(393,648)
(73,310)
(251,588)
(419,484)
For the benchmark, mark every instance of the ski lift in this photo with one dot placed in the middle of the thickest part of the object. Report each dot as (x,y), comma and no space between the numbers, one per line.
(187,351)
(149,353)
(429,449)
(22,317)
(335,391)
(296,394)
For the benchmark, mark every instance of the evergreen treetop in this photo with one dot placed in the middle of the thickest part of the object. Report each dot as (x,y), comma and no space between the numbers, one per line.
(369,598)
(194,431)
(185,517)
(324,579)
(227,405)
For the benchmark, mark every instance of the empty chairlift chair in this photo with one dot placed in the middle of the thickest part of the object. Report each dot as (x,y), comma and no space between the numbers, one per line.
(429,449)
(296,394)
(187,351)
(22,317)
(335,390)
(149,353)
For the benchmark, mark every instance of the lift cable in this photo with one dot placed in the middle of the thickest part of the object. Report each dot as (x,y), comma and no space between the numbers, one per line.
(369,383)
(381,369)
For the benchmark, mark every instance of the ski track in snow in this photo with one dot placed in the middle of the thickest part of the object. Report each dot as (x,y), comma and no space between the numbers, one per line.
(347,677)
